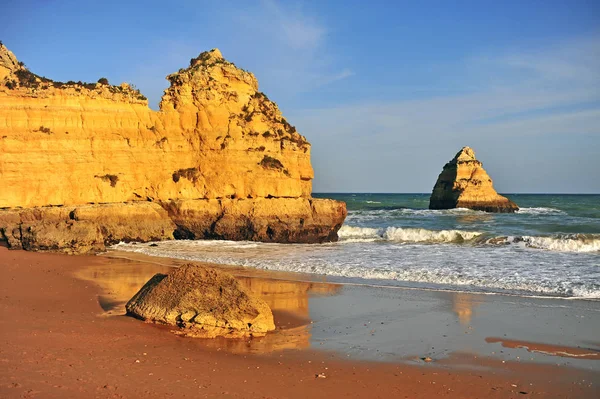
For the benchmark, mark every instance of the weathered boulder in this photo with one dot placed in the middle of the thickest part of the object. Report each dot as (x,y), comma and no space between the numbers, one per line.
(216,139)
(203,302)
(464,183)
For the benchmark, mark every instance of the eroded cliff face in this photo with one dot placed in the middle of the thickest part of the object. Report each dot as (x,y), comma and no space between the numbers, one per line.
(464,183)
(216,137)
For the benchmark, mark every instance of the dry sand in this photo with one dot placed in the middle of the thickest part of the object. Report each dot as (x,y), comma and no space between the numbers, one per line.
(61,336)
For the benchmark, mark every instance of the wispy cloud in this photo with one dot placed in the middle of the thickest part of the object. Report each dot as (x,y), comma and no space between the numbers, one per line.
(526,100)
(295,28)
(285,45)
(292,44)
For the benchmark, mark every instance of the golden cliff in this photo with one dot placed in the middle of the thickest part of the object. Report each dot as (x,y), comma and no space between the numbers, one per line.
(91,164)
(464,183)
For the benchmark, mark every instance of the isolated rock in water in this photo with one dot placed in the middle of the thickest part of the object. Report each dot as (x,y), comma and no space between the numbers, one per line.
(204,302)
(464,183)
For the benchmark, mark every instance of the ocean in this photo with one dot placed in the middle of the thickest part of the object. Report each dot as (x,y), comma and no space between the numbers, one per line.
(550,248)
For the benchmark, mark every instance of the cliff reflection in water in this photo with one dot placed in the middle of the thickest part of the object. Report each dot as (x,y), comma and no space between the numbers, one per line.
(463,305)
(120,279)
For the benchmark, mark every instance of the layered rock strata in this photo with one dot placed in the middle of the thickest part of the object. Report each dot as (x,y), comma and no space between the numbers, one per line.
(81,229)
(218,156)
(286,220)
(203,302)
(464,183)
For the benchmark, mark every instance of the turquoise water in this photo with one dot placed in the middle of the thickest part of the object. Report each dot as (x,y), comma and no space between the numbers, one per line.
(551,247)
(540,214)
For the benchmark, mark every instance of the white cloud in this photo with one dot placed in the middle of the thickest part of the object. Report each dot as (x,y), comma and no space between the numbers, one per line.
(289,45)
(285,45)
(556,99)
(294,27)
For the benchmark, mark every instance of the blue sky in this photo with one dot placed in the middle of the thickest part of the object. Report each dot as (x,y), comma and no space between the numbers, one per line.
(386,91)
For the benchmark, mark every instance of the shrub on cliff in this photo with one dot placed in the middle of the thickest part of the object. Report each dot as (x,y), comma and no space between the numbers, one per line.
(192,174)
(44,129)
(26,78)
(112,179)
(103,81)
(271,163)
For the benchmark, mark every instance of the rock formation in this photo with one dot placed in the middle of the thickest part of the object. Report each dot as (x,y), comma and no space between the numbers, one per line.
(464,183)
(218,157)
(203,302)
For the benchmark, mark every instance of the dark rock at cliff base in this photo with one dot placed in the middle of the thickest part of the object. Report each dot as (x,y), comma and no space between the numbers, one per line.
(85,228)
(282,220)
(202,302)
(91,228)
(464,183)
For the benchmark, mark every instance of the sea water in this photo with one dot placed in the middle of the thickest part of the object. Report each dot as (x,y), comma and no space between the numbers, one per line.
(550,247)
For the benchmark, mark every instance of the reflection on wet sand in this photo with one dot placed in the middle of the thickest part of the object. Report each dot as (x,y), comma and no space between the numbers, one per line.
(547,349)
(119,282)
(463,305)
(289,301)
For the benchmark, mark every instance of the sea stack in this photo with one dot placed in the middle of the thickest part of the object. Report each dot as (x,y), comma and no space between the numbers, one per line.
(85,165)
(464,183)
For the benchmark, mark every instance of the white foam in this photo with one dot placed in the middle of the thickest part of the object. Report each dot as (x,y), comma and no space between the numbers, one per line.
(569,243)
(409,235)
(349,232)
(424,235)
(563,243)
(489,268)
(540,211)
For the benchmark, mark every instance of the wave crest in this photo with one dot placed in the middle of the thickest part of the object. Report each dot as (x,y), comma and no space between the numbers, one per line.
(557,243)
(398,234)
(560,243)
(424,235)
(540,211)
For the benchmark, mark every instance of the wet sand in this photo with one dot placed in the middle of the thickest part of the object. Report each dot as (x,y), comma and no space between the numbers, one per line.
(63,335)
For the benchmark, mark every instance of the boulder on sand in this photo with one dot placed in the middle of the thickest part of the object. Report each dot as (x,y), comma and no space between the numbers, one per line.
(203,302)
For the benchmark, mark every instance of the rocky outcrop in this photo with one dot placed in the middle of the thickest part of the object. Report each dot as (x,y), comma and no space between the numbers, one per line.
(87,228)
(464,183)
(91,228)
(216,139)
(284,220)
(203,302)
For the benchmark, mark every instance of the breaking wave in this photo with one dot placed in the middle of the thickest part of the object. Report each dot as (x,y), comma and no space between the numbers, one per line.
(398,234)
(540,211)
(497,269)
(558,243)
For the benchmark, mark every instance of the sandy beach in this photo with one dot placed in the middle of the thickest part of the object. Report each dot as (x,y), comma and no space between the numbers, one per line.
(64,335)
(299,199)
